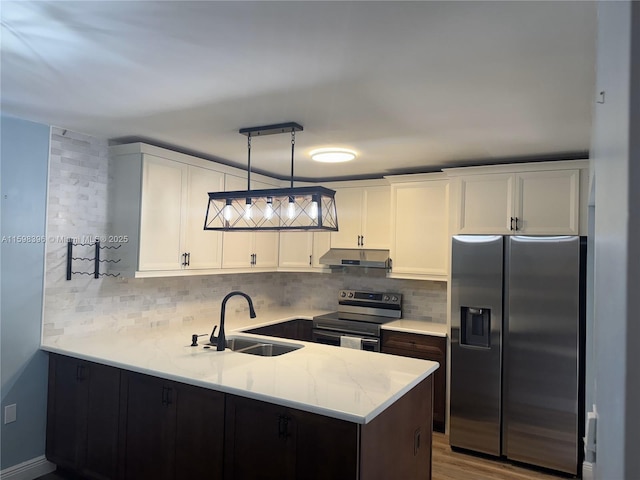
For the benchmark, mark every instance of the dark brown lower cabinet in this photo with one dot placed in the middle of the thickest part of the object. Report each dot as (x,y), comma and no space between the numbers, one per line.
(170,430)
(106,423)
(82,417)
(265,441)
(299,329)
(426,347)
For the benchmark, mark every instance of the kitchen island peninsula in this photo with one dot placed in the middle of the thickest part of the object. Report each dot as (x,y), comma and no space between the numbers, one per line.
(146,404)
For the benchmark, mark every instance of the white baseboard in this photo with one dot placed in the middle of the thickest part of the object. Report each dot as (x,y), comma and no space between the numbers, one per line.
(587,471)
(28,470)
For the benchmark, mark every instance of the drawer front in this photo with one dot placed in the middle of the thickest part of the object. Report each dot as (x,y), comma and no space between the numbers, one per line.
(416,343)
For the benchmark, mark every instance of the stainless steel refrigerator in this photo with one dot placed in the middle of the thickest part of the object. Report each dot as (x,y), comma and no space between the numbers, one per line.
(517,335)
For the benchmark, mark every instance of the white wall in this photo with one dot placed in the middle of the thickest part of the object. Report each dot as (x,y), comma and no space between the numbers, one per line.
(616,159)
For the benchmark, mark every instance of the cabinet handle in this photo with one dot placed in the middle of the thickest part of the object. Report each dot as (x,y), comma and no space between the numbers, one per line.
(517,228)
(184,259)
(358,240)
(283,426)
(310,260)
(511,226)
(362,241)
(80,373)
(166,396)
(188,258)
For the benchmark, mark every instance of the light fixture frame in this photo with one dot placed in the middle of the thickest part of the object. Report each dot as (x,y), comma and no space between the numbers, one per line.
(226,210)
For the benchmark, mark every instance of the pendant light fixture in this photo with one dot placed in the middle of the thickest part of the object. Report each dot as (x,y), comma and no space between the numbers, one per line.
(300,208)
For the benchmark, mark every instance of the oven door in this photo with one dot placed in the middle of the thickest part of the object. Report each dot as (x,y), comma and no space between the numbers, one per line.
(371,344)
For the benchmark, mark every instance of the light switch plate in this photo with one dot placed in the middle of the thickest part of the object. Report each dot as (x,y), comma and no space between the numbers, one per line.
(10,413)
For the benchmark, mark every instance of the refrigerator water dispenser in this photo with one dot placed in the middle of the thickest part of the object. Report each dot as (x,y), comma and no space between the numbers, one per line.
(475,327)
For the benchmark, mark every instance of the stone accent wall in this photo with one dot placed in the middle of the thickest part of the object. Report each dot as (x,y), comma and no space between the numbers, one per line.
(78,208)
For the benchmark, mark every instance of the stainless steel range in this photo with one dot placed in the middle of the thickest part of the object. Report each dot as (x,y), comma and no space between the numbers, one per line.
(357,322)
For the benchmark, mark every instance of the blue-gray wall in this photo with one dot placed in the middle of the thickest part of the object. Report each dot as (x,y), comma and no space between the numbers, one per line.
(24,154)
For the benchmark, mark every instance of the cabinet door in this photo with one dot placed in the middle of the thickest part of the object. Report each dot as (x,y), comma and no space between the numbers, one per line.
(425,347)
(321,245)
(420,243)
(337,440)
(241,248)
(486,204)
(204,248)
(162,209)
(349,208)
(296,249)
(547,203)
(237,247)
(199,434)
(265,248)
(82,417)
(376,217)
(65,428)
(100,459)
(150,428)
(259,441)
(265,244)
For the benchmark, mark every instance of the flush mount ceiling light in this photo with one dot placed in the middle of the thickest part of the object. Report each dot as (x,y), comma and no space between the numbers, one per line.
(301,208)
(332,155)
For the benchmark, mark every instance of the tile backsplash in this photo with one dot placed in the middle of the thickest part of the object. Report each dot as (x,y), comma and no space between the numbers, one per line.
(78,208)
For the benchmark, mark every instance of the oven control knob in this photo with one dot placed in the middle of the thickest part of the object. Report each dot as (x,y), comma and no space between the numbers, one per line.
(394,299)
(350,294)
(343,294)
(386,298)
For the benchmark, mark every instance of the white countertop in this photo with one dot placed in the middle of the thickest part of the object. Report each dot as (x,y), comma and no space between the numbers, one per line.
(422,327)
(352,385)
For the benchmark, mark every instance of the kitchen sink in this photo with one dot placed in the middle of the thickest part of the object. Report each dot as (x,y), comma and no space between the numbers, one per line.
(260,347)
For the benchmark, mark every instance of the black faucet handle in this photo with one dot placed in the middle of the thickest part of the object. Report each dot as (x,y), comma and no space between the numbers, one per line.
(194,338)
(213,339)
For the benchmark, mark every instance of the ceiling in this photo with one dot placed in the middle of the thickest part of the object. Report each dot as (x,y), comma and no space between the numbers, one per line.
(410,86)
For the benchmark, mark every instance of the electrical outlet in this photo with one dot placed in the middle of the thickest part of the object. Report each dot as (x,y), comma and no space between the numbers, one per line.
(10,413)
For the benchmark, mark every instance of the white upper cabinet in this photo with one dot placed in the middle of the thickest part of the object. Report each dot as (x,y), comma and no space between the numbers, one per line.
(162,213)
(486,203)
(248,249)
(158,199)
(420,226)
(527,199)
(203,247)
(302,250)
(547,202)
(173,202)
(296,250)
(363,217)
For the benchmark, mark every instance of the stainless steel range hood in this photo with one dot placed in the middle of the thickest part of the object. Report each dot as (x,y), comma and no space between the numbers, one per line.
(356,257)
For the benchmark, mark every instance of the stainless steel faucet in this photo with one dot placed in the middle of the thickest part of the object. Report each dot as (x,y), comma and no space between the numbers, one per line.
(220,341)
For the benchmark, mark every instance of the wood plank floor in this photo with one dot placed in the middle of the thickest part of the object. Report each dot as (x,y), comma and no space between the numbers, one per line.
(450,465)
